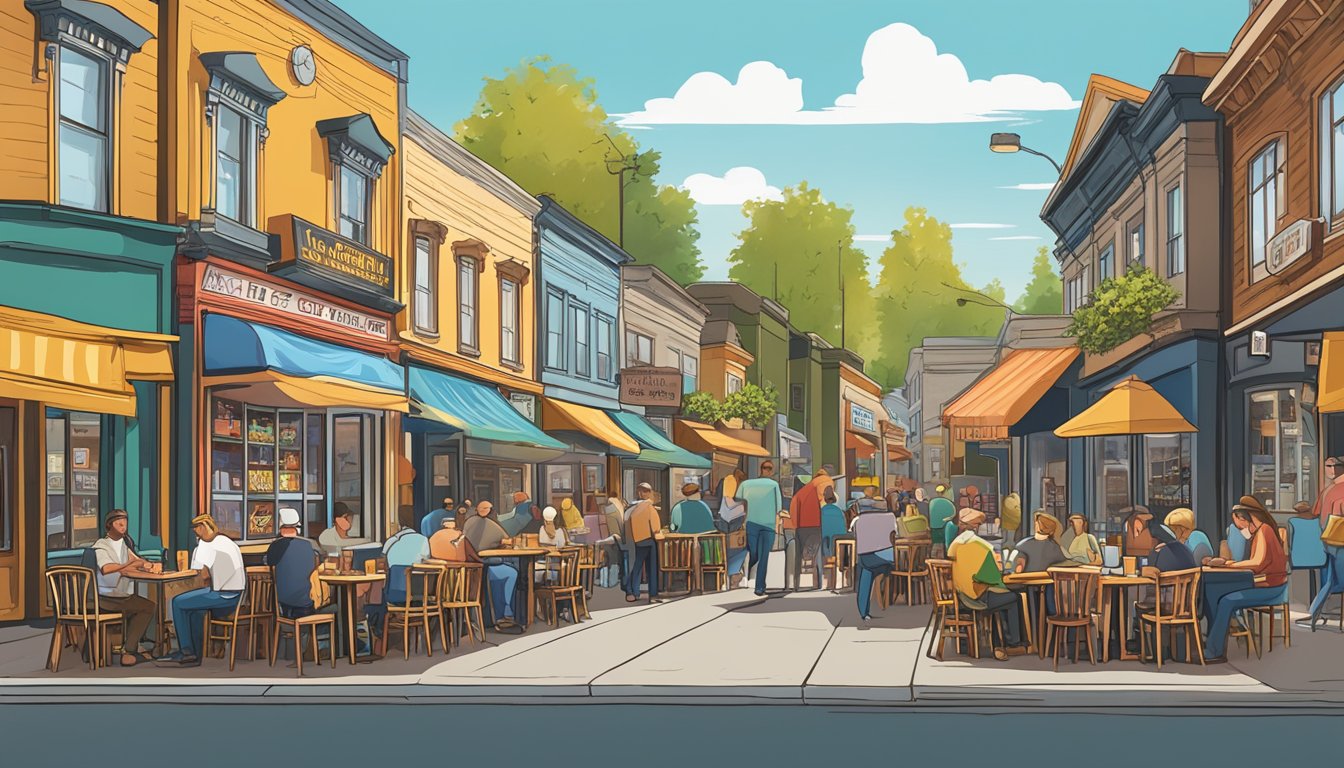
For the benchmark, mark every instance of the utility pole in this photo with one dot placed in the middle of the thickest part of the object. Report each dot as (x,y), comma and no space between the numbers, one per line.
(623,164)
(775,286)
(840,273)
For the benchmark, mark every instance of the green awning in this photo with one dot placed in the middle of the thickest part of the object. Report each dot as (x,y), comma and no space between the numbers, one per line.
(492,426)
(655,447)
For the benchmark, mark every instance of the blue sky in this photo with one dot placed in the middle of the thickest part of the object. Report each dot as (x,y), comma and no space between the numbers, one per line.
(639,50)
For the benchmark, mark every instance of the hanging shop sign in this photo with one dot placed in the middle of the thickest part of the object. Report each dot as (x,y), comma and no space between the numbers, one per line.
(262,293)
(861,418)
(650,386)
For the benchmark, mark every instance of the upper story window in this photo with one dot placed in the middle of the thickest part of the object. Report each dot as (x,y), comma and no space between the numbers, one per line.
(638,349)
(555,330)
(734,384)
(1175,232)
(358,154)
(1136,245)
(1077,289)
(235,183)
(1264,197)
(690,371)
(583,340)
(795,392)
(1332,155)
(513,275)
(238,99)
(1106,263)
(426,239)
(605,334)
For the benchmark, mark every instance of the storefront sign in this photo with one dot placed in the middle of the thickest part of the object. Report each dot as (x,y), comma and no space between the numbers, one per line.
(324,253)
(525,404)
(979,434)
(649,386)
(1288,246)
(266,294)
(861,418)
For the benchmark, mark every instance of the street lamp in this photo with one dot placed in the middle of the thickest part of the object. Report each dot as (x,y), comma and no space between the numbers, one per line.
(1006,143)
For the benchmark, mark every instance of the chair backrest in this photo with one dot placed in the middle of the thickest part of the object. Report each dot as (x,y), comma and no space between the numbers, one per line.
(1076,592)
(564,564)
(422,582)
(73,595)
(1307,550)
(676,554)
(714,550)
(940,582)
(260,597)
(1177,594)
(460,583)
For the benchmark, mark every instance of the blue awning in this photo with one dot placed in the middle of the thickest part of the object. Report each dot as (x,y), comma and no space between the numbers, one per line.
(237,352)
(491,426)
(655,447)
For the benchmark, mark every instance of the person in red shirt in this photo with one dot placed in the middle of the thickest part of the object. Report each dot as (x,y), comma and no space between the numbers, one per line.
(805,512)
(1225,597)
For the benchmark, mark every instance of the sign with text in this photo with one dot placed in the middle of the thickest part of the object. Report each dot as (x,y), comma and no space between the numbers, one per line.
(861,418)
(979,433)
(649,386)
(262,293)
(525,404)
(324,252)
(1289,245)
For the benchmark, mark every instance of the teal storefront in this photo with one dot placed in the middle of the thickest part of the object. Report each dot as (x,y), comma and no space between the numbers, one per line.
(86,335)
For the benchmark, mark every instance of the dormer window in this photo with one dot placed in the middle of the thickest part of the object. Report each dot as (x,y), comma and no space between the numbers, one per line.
(358,155)
(237,101)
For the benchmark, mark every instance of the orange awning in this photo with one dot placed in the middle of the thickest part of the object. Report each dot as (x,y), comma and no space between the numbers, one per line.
(898,453)
(1006,393)
(561,415)
(863,446)
(1132,407)
(1330,385)
(697,437)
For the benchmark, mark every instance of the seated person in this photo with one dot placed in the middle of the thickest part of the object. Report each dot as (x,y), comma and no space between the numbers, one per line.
(293,560)
(405,548)
(1181,521)
(1041,550)
(571,516)
(980,583)
(832,523)
(117,593)
(451,545)
(692,514)
(1079,544)
(1224,597)
(1138,540)
(220,563)
(518,518)
(942,516)
(433,522)
(551,535)
(501,574)
(337,537)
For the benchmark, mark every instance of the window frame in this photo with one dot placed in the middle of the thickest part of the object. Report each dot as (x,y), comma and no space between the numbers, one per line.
(1175,241)
(107,106)
(730,378)
(355,172)
(1270,205)
(1106,262)
(632,343)
(67,490)
(248,147)
(468,278)
(605,332)
(1136,235)
(510,323)
(433,235)
(1331,207)
(558,330)
(583,348)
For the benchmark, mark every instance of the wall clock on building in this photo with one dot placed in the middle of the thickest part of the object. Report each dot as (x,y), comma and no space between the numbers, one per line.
(303,64)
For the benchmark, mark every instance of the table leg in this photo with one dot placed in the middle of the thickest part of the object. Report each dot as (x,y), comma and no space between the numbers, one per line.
(1106,599)
(348,598)
(1125,655)
(1040,620)
(531,567)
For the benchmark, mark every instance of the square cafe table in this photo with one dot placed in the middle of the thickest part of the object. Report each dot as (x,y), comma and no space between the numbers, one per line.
(347,582)
(157,582)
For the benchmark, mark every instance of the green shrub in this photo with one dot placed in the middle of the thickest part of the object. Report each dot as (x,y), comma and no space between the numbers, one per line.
(1121,308)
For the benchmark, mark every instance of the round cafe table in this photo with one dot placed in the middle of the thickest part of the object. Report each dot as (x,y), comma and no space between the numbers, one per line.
(157,581)
(346,583)
(527,558)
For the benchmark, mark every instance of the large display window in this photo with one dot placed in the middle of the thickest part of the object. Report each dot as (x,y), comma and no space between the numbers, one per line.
(1282,448)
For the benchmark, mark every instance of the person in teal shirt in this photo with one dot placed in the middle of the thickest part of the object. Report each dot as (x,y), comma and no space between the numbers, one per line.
(941,513)
(764,502)
(832,524)
(691,515)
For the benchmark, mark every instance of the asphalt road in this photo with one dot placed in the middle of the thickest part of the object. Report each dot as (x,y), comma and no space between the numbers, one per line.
(639,736)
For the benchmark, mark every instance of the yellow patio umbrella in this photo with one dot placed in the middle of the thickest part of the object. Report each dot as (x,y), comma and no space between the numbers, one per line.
(1132,407)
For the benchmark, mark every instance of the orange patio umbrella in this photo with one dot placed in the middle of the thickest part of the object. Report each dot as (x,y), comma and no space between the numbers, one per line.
(1132,407)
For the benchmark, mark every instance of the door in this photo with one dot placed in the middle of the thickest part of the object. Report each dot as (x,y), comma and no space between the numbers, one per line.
(484,484)
(11,564)
(442,481)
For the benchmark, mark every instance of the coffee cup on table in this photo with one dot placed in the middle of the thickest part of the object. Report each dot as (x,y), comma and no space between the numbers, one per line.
(1131,565)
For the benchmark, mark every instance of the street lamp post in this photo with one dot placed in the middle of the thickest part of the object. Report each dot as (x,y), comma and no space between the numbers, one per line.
(1006,143)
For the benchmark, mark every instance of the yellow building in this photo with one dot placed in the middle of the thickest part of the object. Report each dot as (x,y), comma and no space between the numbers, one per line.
(468,330)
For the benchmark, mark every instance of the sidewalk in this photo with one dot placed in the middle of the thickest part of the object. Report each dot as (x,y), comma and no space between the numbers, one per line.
(724,648)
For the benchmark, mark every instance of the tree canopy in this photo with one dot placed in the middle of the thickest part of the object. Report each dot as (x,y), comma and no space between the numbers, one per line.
(1044,295)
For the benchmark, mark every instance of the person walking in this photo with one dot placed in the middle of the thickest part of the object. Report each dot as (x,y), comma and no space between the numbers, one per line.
(805,509)
(764,501)
(873,528)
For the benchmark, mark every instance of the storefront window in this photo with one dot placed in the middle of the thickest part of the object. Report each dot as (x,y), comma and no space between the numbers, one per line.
(1167,462)
(1047,473)
(73,461)
(1282,445)
(559,483)
(349,468)
(1111,468)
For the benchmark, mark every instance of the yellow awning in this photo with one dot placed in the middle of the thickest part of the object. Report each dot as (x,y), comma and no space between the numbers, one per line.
(77,366)
(317,391)
(1132,407)
(1006,393)
(1330,385)
(702,438)
(560,415)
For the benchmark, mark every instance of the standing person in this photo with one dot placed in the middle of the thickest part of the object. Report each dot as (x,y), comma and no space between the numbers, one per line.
(643,529)
(337,537)
(978,580)
(501,574)
(116,592)
(731,510)
(805,509)
(613,515)
(1330,501)
(873,528)
(220,564)
(764,503)
(293,559)
(1227,594)
(691,514)
(433,522)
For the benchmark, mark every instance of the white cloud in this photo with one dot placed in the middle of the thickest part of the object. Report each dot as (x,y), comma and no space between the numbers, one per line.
(735,187)
(1032,186)
(871,238)
(1017,237)
(905,80)
(982,225)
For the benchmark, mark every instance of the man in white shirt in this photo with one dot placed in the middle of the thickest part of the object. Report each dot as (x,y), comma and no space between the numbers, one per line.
(116,592)
(220,564)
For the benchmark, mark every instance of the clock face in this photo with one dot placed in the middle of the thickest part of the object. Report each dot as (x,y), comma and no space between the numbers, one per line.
(303,64)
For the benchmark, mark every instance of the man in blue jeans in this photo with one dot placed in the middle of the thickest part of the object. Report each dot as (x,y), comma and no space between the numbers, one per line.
(873,530)
(764,502)
(220,564)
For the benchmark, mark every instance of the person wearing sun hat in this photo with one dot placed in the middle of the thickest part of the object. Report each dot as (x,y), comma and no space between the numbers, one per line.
(1227,594)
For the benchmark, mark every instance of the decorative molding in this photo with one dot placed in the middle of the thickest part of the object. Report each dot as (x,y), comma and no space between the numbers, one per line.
(514,270)
(437,232)
(236,77)
(471,248)
(355,142)
(90,25)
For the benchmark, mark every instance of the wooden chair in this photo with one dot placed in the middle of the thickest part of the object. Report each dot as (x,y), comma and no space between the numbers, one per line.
(714,561)
(460,598)
(1174,605)
(422,604)
(910,567)
(295,627)
(1241,629)
(74,601)
(591,560)
(676,557)
(1260,613)
(561,585)
(254,605)
(949,619)
(1077,594)
(843,566)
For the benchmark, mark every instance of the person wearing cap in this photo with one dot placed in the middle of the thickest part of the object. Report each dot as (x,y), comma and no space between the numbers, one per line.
(764,502)
(1227,594)
(433,522)
(292,560)
(1181,521)
(1138,540)
(551,535)
(643,529)
(691,514)
(116,592)
(518,517)
(1078,543)
(220,563)
(979,581)
(874,527)
(1041,550)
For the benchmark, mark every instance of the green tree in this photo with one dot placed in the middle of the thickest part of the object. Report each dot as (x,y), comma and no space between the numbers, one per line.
(914,300)
(1044,295)
(541,125)
(789,252)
